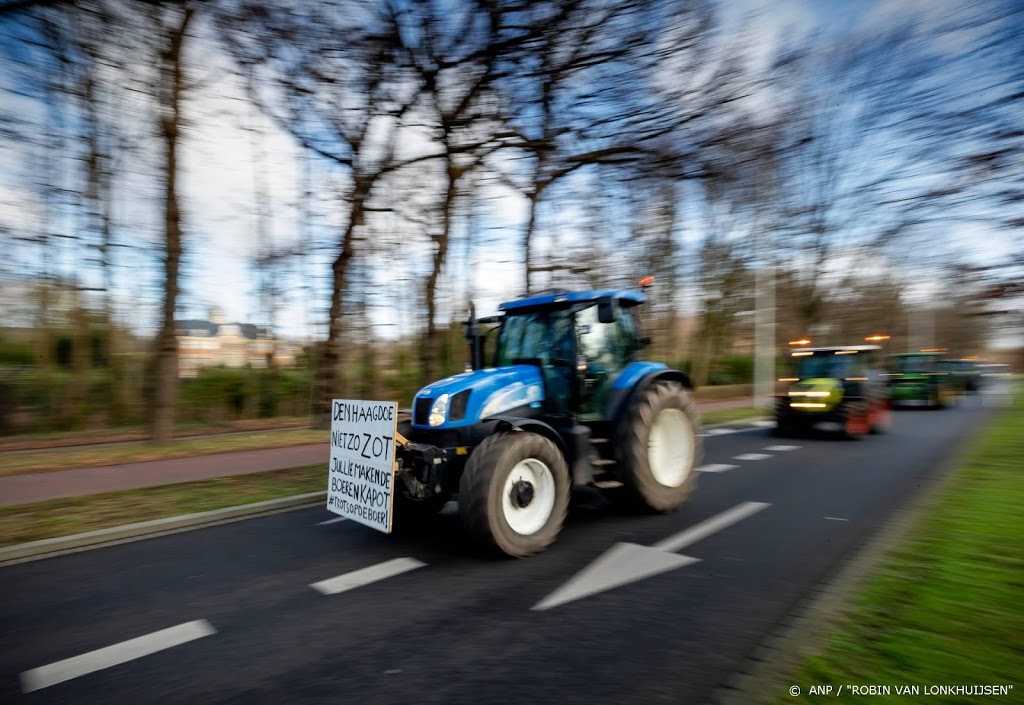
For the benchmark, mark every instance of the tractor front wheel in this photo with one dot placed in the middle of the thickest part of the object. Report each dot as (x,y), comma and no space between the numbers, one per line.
(661,447)
(514,493)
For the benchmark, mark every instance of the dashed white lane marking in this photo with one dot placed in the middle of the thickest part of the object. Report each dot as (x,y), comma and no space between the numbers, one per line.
(335,520)
(782,449)
(709,526)
(715,467)
(365,576)
(836,519)
(720,431)
(751,456)
(764,423)
(54,673)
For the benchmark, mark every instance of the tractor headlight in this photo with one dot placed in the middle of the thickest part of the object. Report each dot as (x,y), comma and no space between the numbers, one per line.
(438,411)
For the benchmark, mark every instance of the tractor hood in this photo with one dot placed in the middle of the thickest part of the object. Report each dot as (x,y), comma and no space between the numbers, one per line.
(473,396)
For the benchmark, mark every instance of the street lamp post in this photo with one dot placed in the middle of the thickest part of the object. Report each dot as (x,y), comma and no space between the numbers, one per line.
(764,326)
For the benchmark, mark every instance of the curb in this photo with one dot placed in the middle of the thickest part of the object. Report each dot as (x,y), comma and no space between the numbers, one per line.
(47,548)
(772,662)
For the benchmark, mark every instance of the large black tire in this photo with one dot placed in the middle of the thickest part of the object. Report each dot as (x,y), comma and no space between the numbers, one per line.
(883,424)
(634,443)
(482,492)
(783,428)
(851,411)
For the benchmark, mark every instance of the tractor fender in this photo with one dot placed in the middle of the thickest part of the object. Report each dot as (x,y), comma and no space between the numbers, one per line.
(618,404)
(519,423)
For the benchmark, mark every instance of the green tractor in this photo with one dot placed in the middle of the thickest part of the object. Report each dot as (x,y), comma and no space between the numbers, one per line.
(834,389)
(565,401)
(919,379)
(964,375)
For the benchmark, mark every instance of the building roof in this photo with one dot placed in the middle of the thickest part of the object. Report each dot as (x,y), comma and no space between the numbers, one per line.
(625,297)
(195,326)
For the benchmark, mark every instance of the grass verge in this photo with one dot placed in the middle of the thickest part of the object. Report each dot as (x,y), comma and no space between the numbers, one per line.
(945,608)
(50,460)
(726,415)
(45,520)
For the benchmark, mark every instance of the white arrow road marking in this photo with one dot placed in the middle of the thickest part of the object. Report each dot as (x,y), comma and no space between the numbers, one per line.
(715,467)
(782,449)
(625,563)
(335,520)
(751,456)
(365,576)
(710,526)
(54,673)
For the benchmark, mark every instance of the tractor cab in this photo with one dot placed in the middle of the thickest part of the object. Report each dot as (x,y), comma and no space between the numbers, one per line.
(581,342)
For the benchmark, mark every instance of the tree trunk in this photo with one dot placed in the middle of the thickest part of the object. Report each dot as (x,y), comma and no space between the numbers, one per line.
(328,373)
(166,368)
(75,410)
(531,223)
(429,353)
(702,363)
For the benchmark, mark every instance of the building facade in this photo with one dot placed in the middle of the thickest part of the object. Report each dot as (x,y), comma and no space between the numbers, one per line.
(218,343)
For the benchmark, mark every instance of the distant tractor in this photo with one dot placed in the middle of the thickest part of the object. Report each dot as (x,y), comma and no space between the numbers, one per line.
(920,379)
(564,402)
(834,389)
(964,374)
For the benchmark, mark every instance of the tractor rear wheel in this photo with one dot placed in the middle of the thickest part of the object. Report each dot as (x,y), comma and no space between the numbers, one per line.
(660,447)
(514,493)
(881,418)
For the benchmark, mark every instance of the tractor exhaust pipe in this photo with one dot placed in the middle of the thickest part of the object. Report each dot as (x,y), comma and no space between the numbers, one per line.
(475,339)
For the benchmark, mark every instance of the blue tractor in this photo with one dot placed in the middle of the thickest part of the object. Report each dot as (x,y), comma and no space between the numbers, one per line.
(565,402)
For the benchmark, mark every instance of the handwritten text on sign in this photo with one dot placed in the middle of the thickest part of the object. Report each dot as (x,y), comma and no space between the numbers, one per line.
(360,476)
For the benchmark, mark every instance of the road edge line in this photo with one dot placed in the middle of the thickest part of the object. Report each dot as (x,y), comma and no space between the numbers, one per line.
(770,665)
(100,538)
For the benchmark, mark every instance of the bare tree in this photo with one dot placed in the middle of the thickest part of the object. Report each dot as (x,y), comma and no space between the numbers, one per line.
(333,76)
(456,53)
(171,98)
(607,85)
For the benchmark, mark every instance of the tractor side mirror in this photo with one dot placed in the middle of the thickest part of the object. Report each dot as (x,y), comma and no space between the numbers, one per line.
(606,311)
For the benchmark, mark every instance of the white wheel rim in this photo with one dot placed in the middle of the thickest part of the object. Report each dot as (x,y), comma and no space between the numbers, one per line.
(531,518)
(670,448)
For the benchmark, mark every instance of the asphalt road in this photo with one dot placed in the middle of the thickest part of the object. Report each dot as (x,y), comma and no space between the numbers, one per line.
(227,614)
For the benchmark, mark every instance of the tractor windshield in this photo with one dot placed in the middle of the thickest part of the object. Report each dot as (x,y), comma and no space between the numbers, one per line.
(542,336)
(824,365)
(916,364)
